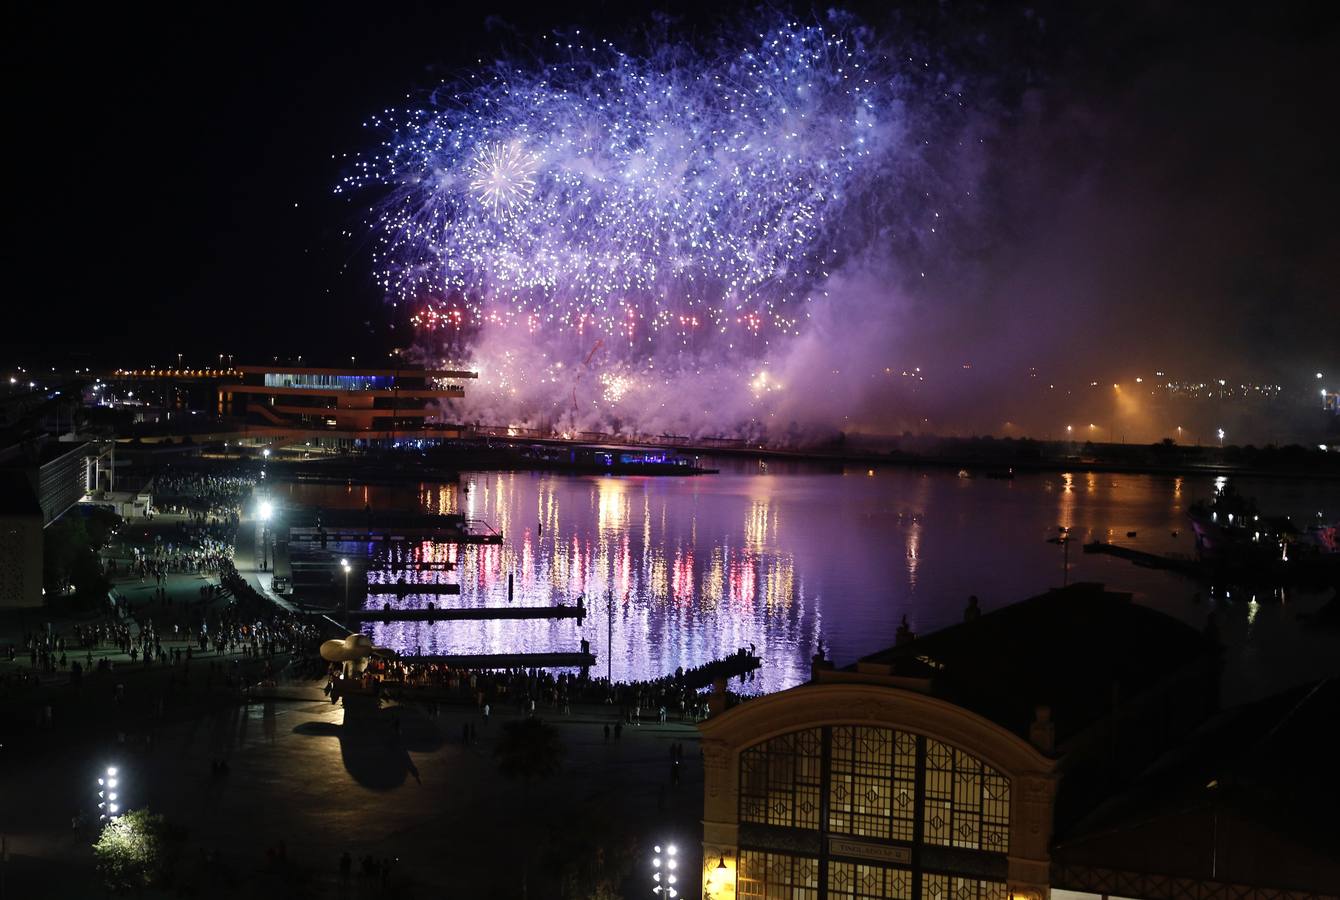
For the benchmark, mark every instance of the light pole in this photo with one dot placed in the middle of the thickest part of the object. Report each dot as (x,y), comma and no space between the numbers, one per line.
(108,806)
(344,564)
(609,643)
(1221,437)
(266,510)
(663,871)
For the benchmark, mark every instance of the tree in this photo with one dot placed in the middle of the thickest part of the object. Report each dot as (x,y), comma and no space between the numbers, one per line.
(130,852)
(529,750)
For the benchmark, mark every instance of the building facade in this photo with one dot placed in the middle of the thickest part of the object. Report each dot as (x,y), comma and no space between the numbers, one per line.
(362,404)
(864,791)
(942,768)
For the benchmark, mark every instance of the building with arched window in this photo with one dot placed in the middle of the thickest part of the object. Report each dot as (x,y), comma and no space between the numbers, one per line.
(939,768)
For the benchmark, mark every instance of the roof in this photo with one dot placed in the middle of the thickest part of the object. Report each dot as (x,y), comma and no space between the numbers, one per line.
(1077,650)
(357,372)
(1270,763)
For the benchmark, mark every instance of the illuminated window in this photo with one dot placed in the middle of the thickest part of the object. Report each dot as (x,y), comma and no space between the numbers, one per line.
(777,875)
(779,781)
(955,887)
(884,790)
(967,802)
(872,787)
(858,881)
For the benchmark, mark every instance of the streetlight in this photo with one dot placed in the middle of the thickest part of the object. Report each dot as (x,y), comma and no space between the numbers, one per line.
(718,880)
(344,564)
(1221,437)
(663,872)
(108,807)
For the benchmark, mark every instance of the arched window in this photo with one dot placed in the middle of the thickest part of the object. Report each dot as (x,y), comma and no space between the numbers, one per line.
(861,812)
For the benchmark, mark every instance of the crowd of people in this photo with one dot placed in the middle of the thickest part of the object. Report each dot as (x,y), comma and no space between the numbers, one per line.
(533,690)
(203,496)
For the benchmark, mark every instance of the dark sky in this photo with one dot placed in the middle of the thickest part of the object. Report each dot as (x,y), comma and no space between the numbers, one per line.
(170,173)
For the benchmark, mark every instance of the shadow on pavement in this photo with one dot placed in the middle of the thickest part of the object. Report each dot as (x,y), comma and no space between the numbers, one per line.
(375,743)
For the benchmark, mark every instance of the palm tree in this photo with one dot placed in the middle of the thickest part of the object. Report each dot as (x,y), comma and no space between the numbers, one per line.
(529,750)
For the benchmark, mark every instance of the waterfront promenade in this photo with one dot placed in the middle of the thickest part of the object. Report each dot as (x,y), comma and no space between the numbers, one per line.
(303,784)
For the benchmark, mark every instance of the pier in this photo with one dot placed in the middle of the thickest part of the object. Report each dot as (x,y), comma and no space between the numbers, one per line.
(1181,564)
(1298,569)
(509,660)
(737,664)
(313,526)
(401,588)
(484,613)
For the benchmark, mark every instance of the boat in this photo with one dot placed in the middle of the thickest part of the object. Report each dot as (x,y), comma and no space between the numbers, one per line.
(1229,526)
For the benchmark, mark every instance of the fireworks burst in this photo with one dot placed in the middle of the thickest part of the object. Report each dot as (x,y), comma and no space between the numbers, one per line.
(682,206)
(677,192)
(503,175)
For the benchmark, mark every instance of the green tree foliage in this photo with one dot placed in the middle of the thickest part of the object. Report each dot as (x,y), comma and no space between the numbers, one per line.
(70,557)
(529,749)
(131,851)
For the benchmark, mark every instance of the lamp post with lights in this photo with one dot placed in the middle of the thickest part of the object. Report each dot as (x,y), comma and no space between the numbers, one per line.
(266,512)
(109,804)
(344,564)
(665,871)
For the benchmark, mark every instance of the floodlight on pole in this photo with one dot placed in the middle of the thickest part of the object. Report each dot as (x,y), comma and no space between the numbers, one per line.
(344,564)
(663,871)
(109,805)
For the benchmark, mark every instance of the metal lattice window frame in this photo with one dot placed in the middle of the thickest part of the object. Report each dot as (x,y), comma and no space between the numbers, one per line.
(780,781)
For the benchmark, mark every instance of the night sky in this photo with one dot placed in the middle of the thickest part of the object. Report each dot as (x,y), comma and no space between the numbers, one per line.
(1162,180)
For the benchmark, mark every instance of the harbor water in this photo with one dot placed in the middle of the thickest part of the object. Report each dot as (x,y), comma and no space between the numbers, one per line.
(689,569)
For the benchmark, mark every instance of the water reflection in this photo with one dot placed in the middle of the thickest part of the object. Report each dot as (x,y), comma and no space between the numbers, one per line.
(690,569)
